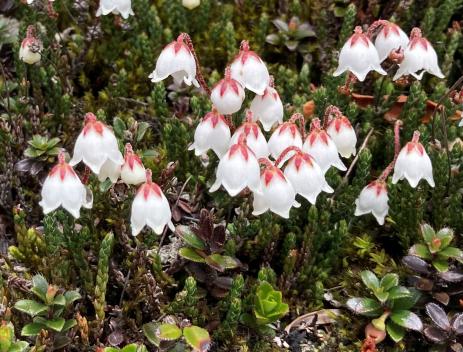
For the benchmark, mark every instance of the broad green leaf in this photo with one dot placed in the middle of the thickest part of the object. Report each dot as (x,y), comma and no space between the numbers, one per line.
(364,306)
(30,307)
(451,252)
(406,302)
(381,295)
(370,280)
(197,337)
(59,300)
(32,329)
(6,337)
(150,330)
(130,348)
(190,238)
(105,185)
(69,324)
(398,292)
(407,319)
(39,286)
(55,324)
(395,331)
(388,281)
(72,296)
(119,126)
(221,262)
(191,254)
(420,250)
(441,264)
(428,233)
(19,346)
(111,349)
(168,332)
(141,130)
(446,236)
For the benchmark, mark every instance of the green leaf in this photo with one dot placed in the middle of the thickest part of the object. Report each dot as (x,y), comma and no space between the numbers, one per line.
(364,306)
(39,287)
(197,337)
(221,262)
(406,302)
(388,281)
(6,337)
(428,233)
(191,254)
(119,126)
(141,130)
(72,296)
(370,280)
(407,319)
(32,329)
(190,238)
(420,250)
(395,331)
(59,300)
(399,292)
(381,295)
(149,330)
(30,307)
(130,348)
(19,346)
(55,324)
(446,236)
(111,349)
(168,332)
(105,185)
(451,252)
(69,324)
(441,264)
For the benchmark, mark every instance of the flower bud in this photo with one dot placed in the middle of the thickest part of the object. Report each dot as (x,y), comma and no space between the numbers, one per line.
(132,172)
(286,135)
(255,139)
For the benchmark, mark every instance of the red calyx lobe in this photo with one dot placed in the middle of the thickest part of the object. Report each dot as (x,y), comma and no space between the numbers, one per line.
(149,187)
(416,38)
(214,117)
(92,123)
(288,125)
(412,146)
(359,37)
(241,147)
(339,122)
(301,158)
(378,186)
(178,45)
(130,158)
(269,172)
(249,127)
(390,28)
(62,168)
(245,53)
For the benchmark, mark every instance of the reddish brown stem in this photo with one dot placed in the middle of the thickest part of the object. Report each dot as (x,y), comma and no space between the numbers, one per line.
(299,117)
(374,27)
(244,45)
(249,115)
(331,110)
(390,167)
(86,175)
(199,75)
(285,152)
(415,33)
(265,162)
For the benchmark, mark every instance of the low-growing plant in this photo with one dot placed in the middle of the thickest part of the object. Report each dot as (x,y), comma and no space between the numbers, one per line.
(8,342)
(445,331)
(133,347)
(390,306)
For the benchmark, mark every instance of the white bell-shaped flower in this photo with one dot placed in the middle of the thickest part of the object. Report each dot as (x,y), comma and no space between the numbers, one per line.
(277,195)
(419,57)
(191,4)
(249,69)
(255,139)
(373,199)
(97,146)
(150,207)
(321,147)
(109,170)
(227,95)
(122,7)
(238,169)
(62,187)
(306,176)
(390,37)
(343,135)
(132,172)
(176,60)
(31,47)
(413,163)
(359,56)
(267,108)
(213,133)
(286,135)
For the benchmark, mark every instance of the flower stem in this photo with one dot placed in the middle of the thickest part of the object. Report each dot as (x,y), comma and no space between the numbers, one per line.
(266,162)
(285,152)
(330,111)
(375,26)
(391,165)
(199,75)
(299,117)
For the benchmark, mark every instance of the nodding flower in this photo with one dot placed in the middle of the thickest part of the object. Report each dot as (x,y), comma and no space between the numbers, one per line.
(255,139)
(227,95)
(286,135)
(150,208)
(267,108)
(390,38)
(31,47)
(62,187)
(117,7)
(132,171)
(343,135)
(238,169)
(373,199)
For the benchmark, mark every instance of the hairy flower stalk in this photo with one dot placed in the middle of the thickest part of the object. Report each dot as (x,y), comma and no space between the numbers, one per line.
(199,74)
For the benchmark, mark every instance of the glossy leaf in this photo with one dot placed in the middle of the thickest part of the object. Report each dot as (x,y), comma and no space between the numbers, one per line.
(364,306)
(19,346)
(39,286)
(407,319)
(150,332)
(427,232)
(32,329)
(435,334)
(223,261)
(30,307)
(421,251)
(406,302)
(438,316)
(399,292)
(72,296)
(457,324)
(451,252)
(191,254)
(416,264)
(197,337)
(69,324)
(388,281)
(396,332)
(369,279)
(190,238)
(441,265)
(55,324)
(168,332)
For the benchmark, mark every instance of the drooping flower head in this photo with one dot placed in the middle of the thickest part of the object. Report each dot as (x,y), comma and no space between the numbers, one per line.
(97,147)
(255,139)
(343,135)
(30,48)
(306,176)
(191,4)
(238,169)
(359,56)
(286,135)
(419,57)
(227,95)
(413,163)
(373,199)
(213,133)
(390,38)
(62,187)
(268,108)
(321,147)
(132,171)
(122,7)
(277,195)
(249,69)
(176,60)
(150,207)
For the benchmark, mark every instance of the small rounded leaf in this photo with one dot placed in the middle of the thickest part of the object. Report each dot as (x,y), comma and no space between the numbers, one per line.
(168,332)
(438,316)
(197,338)
(407,319)
(364,306)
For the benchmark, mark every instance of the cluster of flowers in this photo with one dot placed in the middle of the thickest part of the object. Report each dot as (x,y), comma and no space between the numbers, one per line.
(97,147)
(414,56)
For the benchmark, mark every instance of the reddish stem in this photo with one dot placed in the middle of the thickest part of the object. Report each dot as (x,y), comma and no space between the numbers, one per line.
(415,33)
(149,176)
(299,117)
(30,32)
(61,157)
(227,73)
(285,152)
(244,45)
(375,26)
(199,75)
(315,125)
(249,115)
(390,167)
(331,110)
(267,163)
(271,82)
(369,345)
(86,175)
(346,88)
(128,148)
